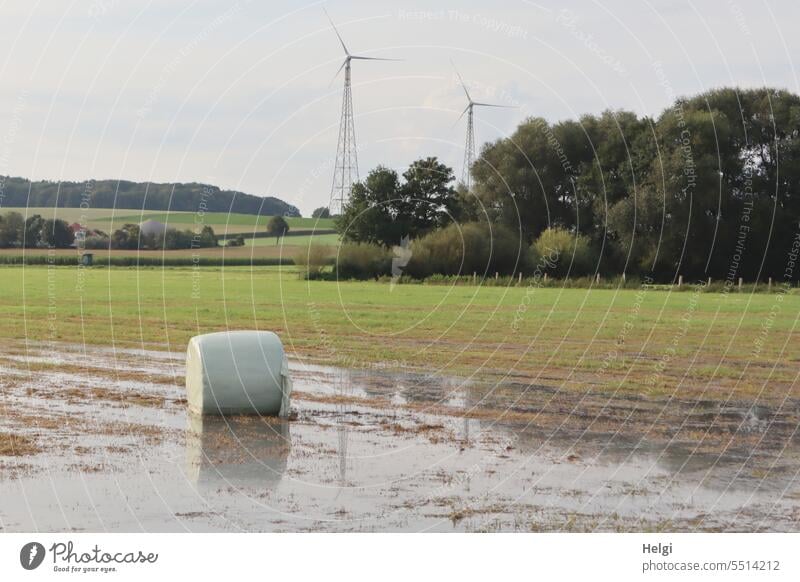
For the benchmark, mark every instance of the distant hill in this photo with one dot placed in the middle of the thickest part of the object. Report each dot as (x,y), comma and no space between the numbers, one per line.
(137,195)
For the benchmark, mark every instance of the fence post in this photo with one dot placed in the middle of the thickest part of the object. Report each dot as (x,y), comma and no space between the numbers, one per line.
(680,281)
(709,281)
(496,275)
(769,284)
(597,279)
(740,284)
(520,277)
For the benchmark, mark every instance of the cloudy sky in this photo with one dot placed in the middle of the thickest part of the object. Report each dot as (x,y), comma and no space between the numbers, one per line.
(239,94)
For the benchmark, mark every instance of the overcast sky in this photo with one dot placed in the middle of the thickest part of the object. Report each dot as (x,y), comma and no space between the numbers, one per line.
(239,94)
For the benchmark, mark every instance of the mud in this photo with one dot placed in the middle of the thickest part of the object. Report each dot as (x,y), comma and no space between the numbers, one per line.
(100,440)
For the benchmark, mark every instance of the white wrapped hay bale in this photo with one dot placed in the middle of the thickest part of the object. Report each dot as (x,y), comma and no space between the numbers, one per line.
(237,372)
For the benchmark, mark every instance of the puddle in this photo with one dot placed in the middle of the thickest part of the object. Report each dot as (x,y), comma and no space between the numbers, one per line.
(377,451)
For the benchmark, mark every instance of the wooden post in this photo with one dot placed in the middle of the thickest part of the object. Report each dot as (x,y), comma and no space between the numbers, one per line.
(545,277)
(709,281)
(520,277)
(740,284)
(474,275)
(597,279)
(623,277)
(680,281)
(496,275)
(769,284)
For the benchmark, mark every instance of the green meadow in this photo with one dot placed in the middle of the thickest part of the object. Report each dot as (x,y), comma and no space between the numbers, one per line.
(650,342)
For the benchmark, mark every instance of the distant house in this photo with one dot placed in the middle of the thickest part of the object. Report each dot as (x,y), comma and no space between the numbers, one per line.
(152,227)
(80,233)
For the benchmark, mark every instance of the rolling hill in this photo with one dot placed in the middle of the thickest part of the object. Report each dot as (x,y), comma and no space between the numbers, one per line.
(118,194)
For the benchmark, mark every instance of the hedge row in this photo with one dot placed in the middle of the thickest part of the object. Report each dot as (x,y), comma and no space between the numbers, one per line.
(62,260)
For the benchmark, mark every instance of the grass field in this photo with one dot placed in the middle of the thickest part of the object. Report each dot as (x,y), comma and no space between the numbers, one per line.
(106,218)
(657,343)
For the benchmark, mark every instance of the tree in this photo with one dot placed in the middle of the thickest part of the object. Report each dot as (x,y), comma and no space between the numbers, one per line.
(207,238)
(190,197)
(277,227)
(56,233)
(382,210)
(126,237)
(321,212)
(367,216)
(33,231)
(12,227)
(177,239)
(428,198)
(709,188)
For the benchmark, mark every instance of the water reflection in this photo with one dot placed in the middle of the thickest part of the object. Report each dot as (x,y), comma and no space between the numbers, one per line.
(237,451)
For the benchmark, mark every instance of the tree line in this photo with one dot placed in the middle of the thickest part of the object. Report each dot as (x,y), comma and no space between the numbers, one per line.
(192,197)
(709,188)
(38,232)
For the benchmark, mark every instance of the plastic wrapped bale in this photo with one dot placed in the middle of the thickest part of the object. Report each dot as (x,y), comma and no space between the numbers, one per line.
(237,372)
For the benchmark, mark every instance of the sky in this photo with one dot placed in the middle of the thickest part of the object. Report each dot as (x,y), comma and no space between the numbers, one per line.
(242,95)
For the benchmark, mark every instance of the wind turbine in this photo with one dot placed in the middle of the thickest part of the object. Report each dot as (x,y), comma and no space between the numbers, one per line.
(345,171)
(469,148)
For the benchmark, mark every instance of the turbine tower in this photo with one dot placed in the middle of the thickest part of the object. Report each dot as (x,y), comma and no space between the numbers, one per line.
(469,147)
(345,172)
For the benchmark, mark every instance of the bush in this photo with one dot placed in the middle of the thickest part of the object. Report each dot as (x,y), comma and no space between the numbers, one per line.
(565,253)
(314,258)
(475,247)
(363,261)
(96,242)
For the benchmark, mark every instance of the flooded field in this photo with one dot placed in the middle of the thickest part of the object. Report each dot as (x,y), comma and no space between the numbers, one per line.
(99,439)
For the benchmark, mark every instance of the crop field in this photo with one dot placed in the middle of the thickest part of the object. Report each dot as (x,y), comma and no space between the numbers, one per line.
(656,343)
(327,239)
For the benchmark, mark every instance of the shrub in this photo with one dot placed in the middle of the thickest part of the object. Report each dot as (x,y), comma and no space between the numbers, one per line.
(566,253)
(314,258)
(96,242)
(475,247)
(363,261)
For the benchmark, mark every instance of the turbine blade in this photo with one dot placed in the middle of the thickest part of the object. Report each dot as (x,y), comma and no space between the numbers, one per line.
(347,52)
(493,105)
(372,58)
(462,114)
(337,72)
(463,86)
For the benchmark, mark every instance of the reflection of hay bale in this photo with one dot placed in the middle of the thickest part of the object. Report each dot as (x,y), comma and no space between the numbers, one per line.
(237,450)
(237,372)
